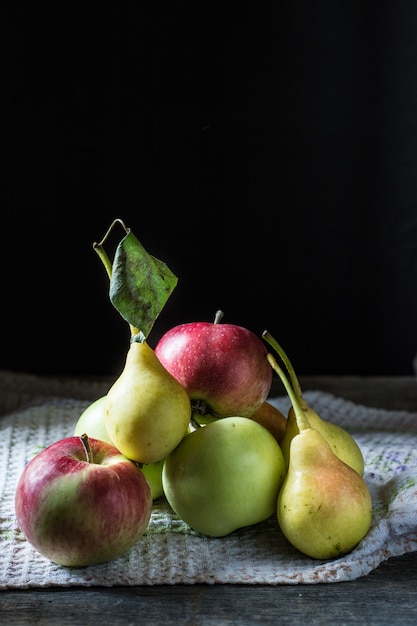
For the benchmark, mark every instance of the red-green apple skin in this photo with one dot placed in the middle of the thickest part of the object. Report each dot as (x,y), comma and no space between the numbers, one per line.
(223,367)
(91,421)
(78,513)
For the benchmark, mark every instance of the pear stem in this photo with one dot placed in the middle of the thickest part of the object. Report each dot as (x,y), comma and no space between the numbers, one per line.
(87,448)
(136,336)
(103,256)
(290,369)
(302,421)
(98,247)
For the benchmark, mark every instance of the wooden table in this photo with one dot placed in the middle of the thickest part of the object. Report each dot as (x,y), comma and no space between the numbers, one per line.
(388,595)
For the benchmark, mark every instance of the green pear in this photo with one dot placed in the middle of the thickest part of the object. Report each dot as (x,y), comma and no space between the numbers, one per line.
(324,506)
(340,441)
(147,411)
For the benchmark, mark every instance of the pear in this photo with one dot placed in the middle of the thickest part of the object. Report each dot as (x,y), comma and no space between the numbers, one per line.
(324,506)
(341,442)
(147,411)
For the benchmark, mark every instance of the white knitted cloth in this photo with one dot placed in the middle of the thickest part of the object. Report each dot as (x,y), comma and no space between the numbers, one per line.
(170,552)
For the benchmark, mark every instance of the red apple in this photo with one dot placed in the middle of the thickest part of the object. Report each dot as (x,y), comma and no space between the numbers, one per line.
(223,367)
(81,503)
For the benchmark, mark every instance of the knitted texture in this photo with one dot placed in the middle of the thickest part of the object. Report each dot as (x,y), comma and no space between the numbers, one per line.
(170,552)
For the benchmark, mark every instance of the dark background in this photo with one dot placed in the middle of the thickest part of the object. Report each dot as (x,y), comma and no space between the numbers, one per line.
(269,158)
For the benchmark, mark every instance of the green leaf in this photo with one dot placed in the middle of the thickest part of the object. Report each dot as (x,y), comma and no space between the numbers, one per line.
(140,284)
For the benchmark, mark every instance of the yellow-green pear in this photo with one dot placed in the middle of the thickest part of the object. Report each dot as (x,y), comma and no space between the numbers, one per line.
(340,441)
(91,421)
(324,506)
(147,411)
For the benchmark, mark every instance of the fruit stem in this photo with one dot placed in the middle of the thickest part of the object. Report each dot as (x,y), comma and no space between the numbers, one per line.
(218,317)
(114,222)
(194,422)
(302,421)
(103,256)
(137,336)
(290,369)
(87,448)
(98,247)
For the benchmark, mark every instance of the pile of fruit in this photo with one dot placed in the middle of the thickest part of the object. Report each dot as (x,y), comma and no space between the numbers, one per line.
(190,421)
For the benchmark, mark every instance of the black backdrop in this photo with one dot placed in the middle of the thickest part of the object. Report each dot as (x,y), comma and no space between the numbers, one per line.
(269,159)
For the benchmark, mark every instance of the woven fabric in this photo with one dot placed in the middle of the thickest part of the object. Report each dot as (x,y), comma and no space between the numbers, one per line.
(170,552)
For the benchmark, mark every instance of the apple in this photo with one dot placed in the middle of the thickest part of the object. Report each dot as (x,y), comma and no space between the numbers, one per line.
(81,502)
(91,421)
(224,476)
(223,367)
(153,474)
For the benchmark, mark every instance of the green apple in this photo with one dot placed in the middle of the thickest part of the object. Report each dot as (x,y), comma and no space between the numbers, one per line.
(91,421)
(153,474)
(224,476)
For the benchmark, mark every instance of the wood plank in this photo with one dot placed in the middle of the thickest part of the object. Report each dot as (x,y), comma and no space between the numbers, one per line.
(386,596)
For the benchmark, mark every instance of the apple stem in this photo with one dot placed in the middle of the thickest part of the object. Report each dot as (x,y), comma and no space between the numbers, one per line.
(302,421)
(290,369)
(218,317)
(87,448)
